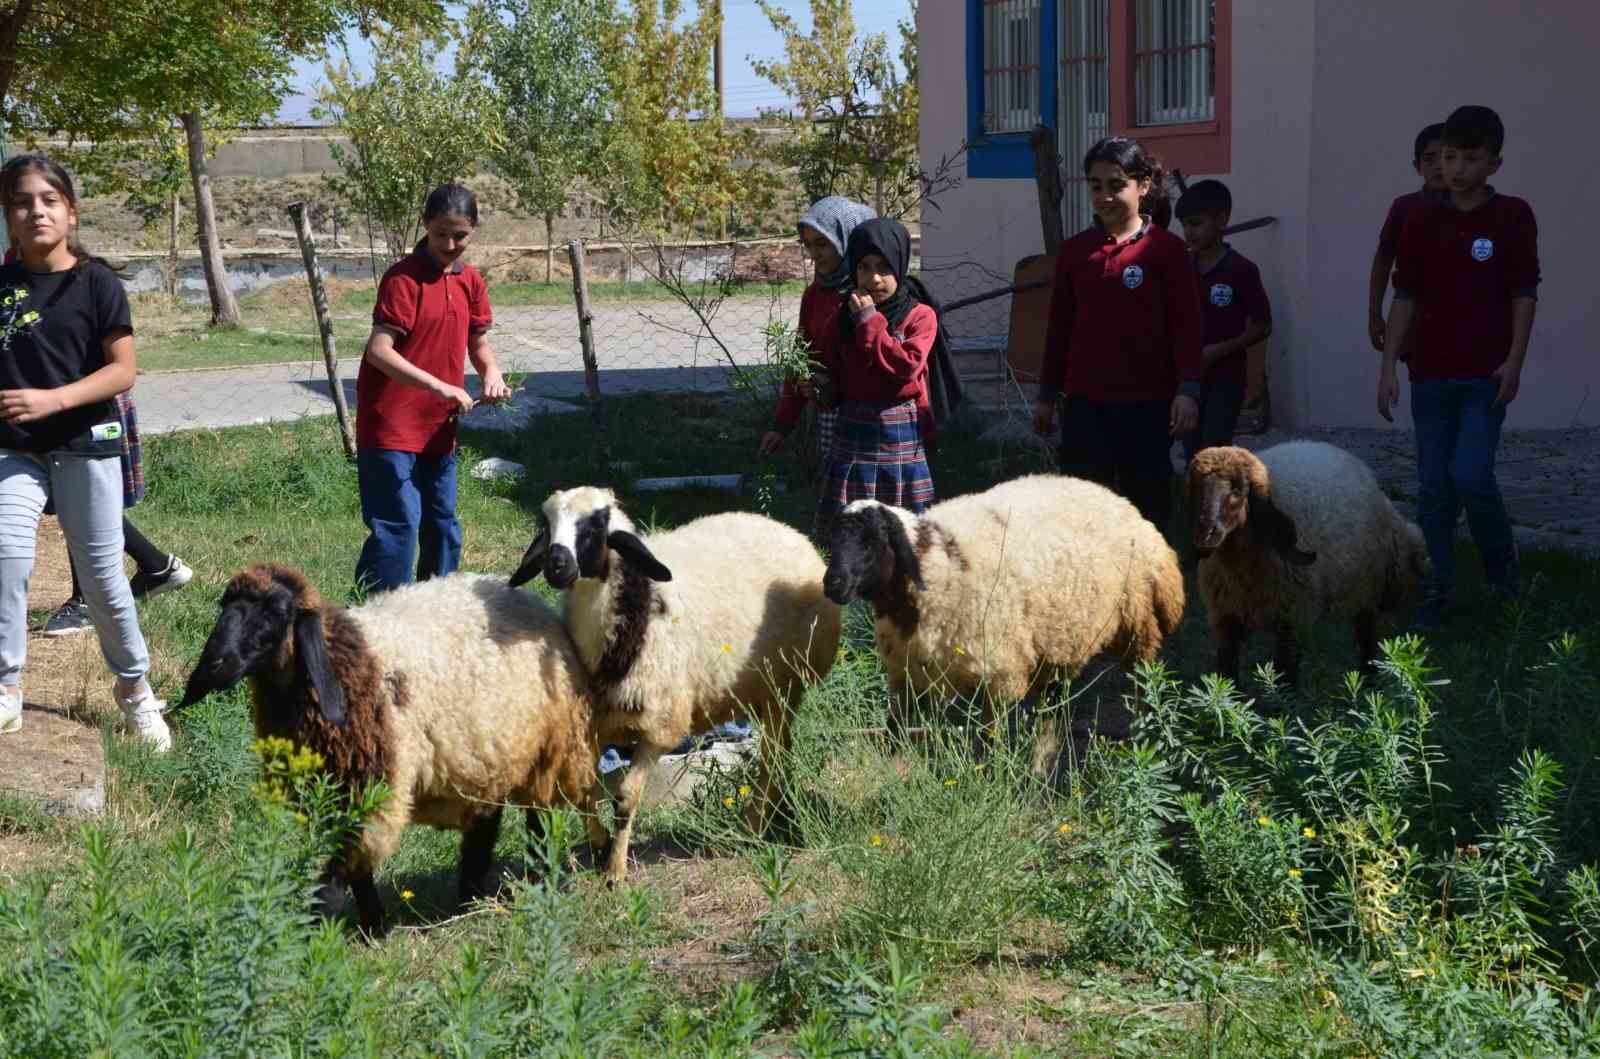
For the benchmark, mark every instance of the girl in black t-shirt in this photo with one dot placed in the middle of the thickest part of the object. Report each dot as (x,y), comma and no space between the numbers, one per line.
(66,351)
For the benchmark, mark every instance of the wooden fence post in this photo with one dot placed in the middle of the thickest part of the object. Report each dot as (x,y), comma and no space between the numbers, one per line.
(319,305)
(591,367)
(1047,177)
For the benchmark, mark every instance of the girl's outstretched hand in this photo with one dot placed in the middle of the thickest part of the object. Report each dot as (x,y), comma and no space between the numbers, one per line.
(1185,416)
(25,406)
(495,389)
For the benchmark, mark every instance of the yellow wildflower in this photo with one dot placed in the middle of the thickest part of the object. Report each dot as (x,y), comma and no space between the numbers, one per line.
(1294,873)
(1065,829)
(744,792)
(949,783)
(1264,821)
(876,840)
(1309,832)
(957,649)
(728,802)
(406,895)
(727,648)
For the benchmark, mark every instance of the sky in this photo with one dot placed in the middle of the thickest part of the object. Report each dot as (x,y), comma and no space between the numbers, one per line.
(748,34)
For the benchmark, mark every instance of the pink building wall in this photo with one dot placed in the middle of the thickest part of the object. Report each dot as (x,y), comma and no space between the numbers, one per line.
(1326,99)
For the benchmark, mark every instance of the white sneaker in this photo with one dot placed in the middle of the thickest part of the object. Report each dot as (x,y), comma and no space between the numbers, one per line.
(10,708)
(143,711)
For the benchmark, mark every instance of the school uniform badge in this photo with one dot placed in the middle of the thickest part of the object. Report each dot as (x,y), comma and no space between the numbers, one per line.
(1482,249)
(1132,276)
(1221,295)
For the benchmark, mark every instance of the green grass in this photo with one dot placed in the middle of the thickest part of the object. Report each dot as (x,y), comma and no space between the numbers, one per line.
(1388,870)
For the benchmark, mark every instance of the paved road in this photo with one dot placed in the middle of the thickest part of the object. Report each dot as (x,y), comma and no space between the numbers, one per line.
(647,347)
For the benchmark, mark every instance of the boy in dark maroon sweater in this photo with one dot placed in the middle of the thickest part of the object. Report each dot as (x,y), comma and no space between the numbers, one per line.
(1467,277)
(1425,159)
(1234,311)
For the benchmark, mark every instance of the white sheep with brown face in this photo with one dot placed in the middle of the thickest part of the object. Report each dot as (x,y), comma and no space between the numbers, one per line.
(460,693)
(1005,590)
(721,618)
(1297,533)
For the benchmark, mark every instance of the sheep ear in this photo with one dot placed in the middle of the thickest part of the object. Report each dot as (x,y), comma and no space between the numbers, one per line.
(533,559)
(316,669)
(906,562)
(635,554)
(1278,529)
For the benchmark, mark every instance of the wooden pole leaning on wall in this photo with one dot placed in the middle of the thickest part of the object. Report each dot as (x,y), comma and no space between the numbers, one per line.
(591,367)
(319,305)
(1047,177)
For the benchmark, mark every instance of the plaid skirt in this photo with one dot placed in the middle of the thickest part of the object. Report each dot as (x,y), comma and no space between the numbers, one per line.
(877,455)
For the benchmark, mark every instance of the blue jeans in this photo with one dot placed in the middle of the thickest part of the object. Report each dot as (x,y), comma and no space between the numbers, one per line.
(1458,430)
(408,502)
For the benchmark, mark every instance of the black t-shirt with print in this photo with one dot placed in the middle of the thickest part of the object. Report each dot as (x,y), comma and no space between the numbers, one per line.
(53,327)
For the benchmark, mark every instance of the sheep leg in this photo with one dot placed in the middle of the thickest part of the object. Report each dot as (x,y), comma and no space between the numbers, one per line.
(477,856)
(1230,644)
(629,794)
(1367,640)
(369,909)
(773,756)
(1286,659)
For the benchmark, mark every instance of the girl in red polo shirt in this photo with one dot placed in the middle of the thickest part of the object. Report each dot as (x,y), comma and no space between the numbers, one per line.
(432,313)
(1123,342)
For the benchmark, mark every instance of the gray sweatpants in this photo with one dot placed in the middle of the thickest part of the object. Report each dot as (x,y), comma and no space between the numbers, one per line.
(88,499)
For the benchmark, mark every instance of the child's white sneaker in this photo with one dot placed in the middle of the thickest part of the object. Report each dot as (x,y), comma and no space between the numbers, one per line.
(10,708)
(143,711)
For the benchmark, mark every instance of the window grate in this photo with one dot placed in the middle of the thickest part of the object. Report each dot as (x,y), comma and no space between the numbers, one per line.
(1010,65)
(1175,61)
(1085,110)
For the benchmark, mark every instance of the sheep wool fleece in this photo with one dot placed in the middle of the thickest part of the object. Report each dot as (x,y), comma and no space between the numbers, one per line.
(482,702)
(1367,555)
(1036,574)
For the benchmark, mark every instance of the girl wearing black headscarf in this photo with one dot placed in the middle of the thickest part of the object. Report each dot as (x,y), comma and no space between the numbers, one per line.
(888,331)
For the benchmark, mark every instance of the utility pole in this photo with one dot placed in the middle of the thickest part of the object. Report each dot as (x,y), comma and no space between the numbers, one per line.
(716,66)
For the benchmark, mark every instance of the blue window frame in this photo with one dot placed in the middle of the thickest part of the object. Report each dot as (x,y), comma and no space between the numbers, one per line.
(1006,155)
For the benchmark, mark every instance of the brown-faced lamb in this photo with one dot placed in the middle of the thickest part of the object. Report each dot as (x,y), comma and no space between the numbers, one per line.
(1002,591)
(1294,534)
(461,694)
(723,617)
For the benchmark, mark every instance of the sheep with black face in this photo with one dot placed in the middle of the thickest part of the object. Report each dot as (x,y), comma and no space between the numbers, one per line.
(461,694)
(1002,591)
(1296,533)
(683,630)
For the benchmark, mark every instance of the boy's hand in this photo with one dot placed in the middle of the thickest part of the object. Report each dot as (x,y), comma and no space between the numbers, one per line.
(1388,393)
(1044,417)
(25,406)
(771,441)
(1510,376)
(860,302)
(457,396)
(1185,416)
(1376,330)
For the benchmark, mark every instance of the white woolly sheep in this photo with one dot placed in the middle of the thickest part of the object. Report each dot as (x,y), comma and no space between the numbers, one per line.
(463,695)
(720,618)
(1002,591)
(1296,533)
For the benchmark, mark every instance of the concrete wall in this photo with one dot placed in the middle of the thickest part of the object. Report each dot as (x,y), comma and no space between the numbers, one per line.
(269,157)
(1326,99)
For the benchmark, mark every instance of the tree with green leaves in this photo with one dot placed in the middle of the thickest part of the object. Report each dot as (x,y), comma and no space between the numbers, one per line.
(853,127)
(672,162)
(544,61)
(410,128)
(122,75)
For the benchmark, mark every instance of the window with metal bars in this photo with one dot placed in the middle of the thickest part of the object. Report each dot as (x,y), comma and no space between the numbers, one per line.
(1010,65)
(1175,61)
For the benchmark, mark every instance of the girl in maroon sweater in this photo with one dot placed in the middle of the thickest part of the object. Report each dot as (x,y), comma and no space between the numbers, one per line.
(1123,343)
(887,333)
(825,235)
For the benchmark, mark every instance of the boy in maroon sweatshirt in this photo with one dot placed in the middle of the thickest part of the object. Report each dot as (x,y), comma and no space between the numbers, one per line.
(1466,278)
(1234,311)
(1425,159)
